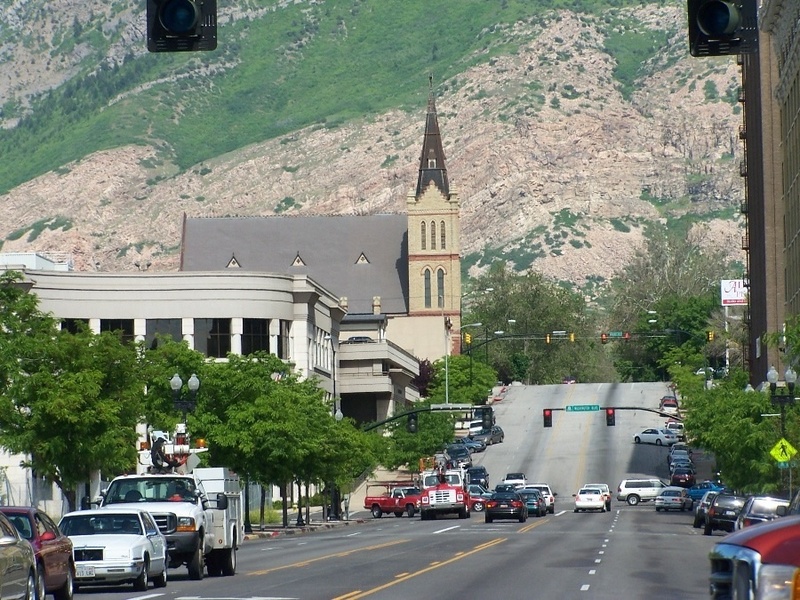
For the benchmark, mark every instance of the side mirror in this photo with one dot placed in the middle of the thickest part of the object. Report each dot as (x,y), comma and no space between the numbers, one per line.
(782,511)
(222,501)
(86,503)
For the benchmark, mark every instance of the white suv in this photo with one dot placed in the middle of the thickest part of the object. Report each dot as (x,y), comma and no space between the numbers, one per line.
(643,489)
(546,492)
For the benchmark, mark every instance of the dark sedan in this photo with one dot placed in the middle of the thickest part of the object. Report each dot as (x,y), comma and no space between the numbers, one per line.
(506,505)
(759,509)
(534,500)
(52,549)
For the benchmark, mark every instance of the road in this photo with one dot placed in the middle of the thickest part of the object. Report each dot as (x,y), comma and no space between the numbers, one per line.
(630,552)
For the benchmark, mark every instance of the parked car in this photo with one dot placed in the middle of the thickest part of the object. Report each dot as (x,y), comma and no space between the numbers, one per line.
(506,505)
(548,494)
(702,507)
(634,491)
(589,499)
(669,405)
(473,445)
(494,435)
(534,500)
(17,563)
(459,456)
(116,546)
(606,491)
(759,509)
(475,427)
(517,479)
(673,498)
(478,495)
(478,474)
(681,446)
(722,512)
(677,428)
(698,490)
(53,550)
(659,437)
(682,476)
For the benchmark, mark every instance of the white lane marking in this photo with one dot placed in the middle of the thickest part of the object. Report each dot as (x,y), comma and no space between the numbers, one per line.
(447,529)
(592,571)
(585,587)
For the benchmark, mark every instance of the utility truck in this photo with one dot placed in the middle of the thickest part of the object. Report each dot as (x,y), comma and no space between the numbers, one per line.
(444,491)
(199,510)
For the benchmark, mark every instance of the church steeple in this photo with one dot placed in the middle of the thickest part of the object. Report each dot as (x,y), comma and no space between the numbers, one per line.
(432,168)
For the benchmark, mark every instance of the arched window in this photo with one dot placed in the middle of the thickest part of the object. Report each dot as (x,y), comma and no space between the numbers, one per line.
(440,287)
(443,234)
(422,235)
(433,235)
(427,277)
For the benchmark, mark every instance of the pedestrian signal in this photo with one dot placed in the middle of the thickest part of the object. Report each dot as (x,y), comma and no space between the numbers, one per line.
(468,339)
(611,417)
(548,417)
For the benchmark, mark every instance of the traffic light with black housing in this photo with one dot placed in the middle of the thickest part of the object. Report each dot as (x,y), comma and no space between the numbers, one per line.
(611,417)
(412,424)
(181,25)
(486,419)
(722,27)
(547,414)
(710,336)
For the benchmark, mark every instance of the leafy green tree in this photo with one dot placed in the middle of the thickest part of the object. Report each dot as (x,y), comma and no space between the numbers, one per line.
(467,381)
(404,449)
(72,401)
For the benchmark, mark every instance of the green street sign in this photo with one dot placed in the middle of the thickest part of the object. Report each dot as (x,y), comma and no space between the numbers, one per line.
(582,407)
(615,334)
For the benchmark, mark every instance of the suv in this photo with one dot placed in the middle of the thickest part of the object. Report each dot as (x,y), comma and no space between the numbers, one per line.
(479,475)
(722,512)
(546,492)
(634,491)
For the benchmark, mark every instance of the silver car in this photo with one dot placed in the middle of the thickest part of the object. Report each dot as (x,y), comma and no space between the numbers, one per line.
(116,546)
(17,564)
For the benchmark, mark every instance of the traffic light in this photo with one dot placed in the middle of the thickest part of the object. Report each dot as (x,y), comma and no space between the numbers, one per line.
(548,417)
(722,27)
(710,336)
(626,336)
(546,338)
(571,337)
(181,25)
(611,417)
(486,419)
(468,339)
(603,338)
(411,423)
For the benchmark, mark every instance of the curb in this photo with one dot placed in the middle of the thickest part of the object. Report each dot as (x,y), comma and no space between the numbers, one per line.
(295,530)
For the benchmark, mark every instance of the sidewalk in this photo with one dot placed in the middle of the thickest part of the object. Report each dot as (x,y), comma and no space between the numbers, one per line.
(358,514)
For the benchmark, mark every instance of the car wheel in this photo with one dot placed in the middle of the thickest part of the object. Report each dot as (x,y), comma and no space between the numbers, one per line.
(551,509)
(633,500)
(30,587)
(707,529)
(40,587)
(637,440)
(196,563)
(696,523)
(488,519)
(478,506)
(377,512)
(227,561)
(143,580)
(658,442)
(66,591)
(411,510)
(658,509)
(160,580)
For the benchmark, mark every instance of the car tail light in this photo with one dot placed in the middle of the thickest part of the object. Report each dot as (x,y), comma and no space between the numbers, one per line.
(491,504)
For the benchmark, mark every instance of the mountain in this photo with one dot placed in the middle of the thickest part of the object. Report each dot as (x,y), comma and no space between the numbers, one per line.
(568,126)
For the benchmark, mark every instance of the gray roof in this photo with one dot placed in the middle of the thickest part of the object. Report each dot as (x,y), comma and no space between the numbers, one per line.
(328,246)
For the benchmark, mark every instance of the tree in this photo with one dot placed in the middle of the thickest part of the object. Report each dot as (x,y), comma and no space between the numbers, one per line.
(68,402)
(404,449)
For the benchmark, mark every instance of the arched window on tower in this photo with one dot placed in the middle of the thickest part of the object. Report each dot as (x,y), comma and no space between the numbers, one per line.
(433,235)
(427,278)
(423,235)
(443,234)
(440,287)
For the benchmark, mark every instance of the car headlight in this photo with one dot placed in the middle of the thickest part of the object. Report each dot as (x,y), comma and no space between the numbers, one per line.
(778,582)
(186,524)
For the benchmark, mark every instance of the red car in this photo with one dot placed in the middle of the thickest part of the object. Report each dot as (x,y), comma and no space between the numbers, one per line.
(53,550)
(682,477)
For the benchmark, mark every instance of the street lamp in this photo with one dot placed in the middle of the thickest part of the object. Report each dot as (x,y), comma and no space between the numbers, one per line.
(790,376)
(337,404)
(176,383)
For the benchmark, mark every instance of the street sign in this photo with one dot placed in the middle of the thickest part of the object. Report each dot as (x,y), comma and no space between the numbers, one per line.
(582,407)
(615,334)
(782,451)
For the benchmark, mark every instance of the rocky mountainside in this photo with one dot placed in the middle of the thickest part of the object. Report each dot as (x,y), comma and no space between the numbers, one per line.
(558,163)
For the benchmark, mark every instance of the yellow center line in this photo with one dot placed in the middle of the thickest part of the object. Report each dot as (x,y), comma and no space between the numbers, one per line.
(406,576)
(530,526)
(305,563)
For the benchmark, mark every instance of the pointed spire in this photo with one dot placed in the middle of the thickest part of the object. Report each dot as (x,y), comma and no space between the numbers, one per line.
(431,165)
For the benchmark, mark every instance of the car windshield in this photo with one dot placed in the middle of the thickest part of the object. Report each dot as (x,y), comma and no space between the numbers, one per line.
(160,489)
(505,496)
(589,492)
(106,524)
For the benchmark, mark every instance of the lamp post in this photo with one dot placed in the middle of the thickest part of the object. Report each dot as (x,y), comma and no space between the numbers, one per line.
(180,402)
(338,416)
(782,399)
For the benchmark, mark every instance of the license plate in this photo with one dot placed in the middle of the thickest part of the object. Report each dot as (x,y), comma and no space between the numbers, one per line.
(729,513)
(84,571)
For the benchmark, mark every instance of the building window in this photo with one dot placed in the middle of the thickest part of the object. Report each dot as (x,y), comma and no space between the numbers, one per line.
(73,326)
(427,277)
(423,235)
(255,336)
(283,340)
(433,235)
(156,328)
(440,287)
(124,327)
(443,245)
(212,337)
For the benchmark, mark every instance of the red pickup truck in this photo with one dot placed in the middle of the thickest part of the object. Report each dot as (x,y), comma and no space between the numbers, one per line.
(396,497)
(748,562)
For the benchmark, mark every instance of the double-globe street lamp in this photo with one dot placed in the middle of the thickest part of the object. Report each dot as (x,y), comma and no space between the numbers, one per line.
(338,416)
(790,376)
(178,399)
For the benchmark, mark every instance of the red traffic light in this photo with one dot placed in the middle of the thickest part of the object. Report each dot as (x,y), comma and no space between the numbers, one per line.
(604,338)
(547,414)
(611,417)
